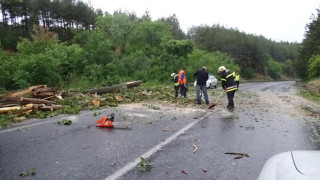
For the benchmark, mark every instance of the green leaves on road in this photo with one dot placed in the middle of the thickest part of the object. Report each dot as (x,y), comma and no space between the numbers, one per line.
(64,122)
(28,173)
(144,165)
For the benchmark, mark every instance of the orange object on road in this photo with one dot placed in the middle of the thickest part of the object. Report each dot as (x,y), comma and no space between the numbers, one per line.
(105,121)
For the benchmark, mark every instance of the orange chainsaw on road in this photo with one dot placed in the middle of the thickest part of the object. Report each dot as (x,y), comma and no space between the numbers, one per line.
(108,121)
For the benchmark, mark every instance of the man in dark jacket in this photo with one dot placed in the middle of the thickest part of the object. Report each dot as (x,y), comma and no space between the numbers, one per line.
(202,77)
(175,83)
(228,85)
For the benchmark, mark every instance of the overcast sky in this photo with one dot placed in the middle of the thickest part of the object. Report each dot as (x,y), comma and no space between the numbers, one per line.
(279,20)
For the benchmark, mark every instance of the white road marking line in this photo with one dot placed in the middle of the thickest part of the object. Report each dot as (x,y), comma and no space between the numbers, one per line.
(153,150)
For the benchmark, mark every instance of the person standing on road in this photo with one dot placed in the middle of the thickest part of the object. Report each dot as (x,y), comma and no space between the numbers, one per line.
(175,83)
(182,79)
(228,85)
(202,77)
(237,79)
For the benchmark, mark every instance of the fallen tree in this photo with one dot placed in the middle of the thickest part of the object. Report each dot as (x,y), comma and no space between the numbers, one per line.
(23,92)
(115,88)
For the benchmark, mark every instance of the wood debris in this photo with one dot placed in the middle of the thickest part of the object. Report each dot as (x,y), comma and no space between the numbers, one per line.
(166,129)
(30,100)
(146,93)
(195,148)
(239,155)
(184,172)
(96,102)
(118,98)
(42,98)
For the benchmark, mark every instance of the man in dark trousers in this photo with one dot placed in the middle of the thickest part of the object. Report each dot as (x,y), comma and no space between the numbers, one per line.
(182,79)
(228,85)
(202,77)
(175,83)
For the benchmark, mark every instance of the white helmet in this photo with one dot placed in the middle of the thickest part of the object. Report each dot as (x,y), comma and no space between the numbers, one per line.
(221,69)
(173,74)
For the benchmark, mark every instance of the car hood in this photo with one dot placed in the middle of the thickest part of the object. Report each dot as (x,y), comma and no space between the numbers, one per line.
(307,162)
(293,165)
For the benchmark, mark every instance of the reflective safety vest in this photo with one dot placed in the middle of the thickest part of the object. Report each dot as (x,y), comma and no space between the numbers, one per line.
(227,81)
(182,77)
(175,80)
(237,78)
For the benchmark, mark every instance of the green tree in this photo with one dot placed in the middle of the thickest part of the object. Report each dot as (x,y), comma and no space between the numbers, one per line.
(314,67)
(310,46)
(274,69)
(174,24)
(212,61)
(148,36)
(287,68)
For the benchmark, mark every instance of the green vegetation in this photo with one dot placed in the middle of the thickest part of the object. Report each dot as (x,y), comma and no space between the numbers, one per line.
(64,122)
(311,90)
(151,106)
(249,52)
(30,172)
(311,95)
(96,113)
(148,92)
(307,63)
(6,119)
(144,165)
(50,43)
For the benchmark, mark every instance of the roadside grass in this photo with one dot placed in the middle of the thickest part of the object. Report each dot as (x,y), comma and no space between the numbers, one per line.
(311,95)
(311,90)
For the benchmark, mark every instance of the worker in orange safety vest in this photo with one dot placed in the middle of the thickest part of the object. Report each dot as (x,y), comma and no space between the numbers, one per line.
(183,82)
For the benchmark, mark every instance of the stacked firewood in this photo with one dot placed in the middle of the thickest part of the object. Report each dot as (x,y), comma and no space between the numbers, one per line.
(29,100)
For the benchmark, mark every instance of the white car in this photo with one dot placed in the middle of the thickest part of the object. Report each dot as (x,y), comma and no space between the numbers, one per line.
(292,165)
(211,82)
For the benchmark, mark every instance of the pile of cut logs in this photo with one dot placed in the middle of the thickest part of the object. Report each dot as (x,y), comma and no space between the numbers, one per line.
(28,100)
(41,97)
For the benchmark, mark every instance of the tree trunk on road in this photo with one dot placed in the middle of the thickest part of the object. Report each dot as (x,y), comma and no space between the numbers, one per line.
(114,88)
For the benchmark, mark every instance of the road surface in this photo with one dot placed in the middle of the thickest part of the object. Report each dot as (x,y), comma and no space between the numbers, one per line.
(269,118)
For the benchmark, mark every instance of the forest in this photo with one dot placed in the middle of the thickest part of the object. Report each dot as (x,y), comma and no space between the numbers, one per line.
(68,44)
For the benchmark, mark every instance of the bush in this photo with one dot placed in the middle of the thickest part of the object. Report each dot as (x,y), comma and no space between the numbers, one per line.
(314,67)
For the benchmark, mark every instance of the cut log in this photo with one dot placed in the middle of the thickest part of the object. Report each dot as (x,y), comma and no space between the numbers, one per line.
(50,108)
(96,102)
(27,109)
(9,109)
(115,88)
(35,101)
(133,84)
(23,92)
(20,109)
(8,105)
(108,89)
(43,94)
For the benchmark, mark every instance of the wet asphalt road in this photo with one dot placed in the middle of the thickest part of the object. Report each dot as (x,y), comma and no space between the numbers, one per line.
(267,120)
